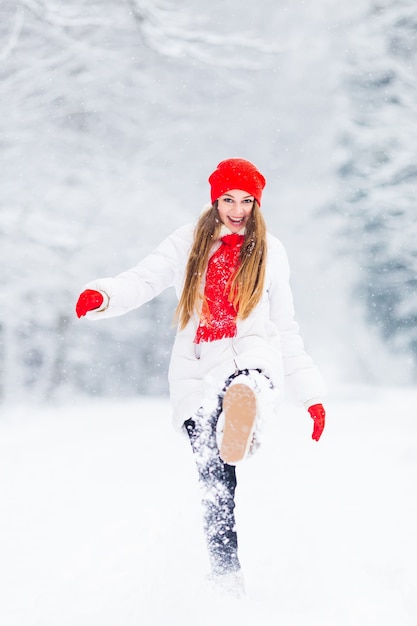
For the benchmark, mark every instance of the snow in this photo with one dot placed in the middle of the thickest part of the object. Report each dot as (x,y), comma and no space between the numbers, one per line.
(101,520)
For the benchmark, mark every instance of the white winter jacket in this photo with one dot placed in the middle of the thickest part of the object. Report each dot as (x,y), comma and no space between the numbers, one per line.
(268,339)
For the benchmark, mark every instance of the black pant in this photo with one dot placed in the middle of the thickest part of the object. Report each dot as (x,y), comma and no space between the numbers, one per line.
(218,481)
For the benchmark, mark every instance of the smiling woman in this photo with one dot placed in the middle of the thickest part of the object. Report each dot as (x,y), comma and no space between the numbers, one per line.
(236,340)
(234,209)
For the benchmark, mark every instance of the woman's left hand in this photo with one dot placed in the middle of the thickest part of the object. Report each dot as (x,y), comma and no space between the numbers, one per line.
(318,414)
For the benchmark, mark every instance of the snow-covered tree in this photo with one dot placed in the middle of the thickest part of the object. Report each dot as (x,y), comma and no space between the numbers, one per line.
(112,114)
(379,171)
(70,127)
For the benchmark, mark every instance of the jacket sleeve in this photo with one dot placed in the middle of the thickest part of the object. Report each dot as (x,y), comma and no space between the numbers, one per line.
(302,377)
(162,268)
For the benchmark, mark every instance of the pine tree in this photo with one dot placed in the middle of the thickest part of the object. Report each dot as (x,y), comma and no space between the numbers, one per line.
(379,172)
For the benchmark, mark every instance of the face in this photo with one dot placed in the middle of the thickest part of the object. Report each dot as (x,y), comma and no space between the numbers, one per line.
(235,208)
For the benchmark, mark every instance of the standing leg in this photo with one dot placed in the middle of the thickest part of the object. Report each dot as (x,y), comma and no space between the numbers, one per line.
(218,481)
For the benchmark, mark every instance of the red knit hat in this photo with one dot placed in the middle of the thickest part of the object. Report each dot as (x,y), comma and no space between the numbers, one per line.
(236,174)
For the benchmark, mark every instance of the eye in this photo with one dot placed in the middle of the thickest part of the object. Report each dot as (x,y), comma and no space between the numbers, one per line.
(227,199)
(248,200)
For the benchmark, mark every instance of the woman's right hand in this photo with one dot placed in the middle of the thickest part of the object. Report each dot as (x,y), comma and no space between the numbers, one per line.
(89,300)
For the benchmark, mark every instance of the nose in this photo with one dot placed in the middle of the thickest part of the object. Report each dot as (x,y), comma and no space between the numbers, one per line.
(239,209)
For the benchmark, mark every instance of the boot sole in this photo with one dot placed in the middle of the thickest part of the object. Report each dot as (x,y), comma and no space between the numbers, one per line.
(239,408)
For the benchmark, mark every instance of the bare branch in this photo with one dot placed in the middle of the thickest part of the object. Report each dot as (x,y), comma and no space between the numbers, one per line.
(54,15)
(171,34)
(14,35)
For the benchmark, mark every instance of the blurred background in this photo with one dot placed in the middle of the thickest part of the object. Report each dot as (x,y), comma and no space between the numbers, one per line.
(112,116)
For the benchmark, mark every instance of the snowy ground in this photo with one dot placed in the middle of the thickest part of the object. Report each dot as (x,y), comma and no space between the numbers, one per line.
(100,518)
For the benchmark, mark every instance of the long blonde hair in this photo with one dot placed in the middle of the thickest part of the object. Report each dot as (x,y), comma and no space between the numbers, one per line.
(248,281)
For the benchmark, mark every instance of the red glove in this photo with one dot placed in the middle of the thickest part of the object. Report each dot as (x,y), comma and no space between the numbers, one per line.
(318,414)
(88,301)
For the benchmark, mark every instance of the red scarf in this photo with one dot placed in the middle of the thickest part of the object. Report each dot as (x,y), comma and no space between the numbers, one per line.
(218,315)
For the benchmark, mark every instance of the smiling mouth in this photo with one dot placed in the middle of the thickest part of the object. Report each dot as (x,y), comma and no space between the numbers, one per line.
(236,220)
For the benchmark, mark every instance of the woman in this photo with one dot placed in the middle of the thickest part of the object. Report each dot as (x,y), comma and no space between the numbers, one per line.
(236,340)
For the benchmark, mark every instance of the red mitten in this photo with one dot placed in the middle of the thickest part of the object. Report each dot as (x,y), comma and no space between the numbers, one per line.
(318,414)
(89,300)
